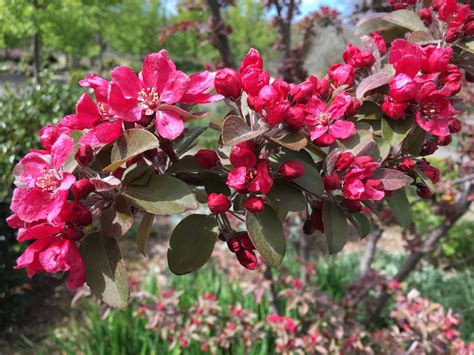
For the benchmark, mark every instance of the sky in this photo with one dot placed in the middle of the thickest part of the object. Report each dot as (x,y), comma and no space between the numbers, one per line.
(307,6)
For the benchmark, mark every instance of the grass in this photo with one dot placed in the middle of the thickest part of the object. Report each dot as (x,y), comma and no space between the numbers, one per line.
(123,333)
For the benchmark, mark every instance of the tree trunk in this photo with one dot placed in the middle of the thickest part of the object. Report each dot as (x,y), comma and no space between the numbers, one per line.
(415,257)
(369,252)
(36,46)
(222,41)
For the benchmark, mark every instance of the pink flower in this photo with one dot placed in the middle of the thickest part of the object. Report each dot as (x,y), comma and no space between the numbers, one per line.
(453,13)
(301,93)
(405,57)
(436,59)
(254,179)
(53,251)
(380,42)
(252,59)
(357,182)
(159,84)
(243,154)
(42,186)
(198,92)
(435,112)
(327,119)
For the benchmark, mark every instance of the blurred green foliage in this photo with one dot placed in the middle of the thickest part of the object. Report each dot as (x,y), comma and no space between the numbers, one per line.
(23,113)
(124,332)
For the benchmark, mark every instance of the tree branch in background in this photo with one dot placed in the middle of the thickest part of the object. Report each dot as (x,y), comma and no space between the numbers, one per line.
(369,251)
(220,31)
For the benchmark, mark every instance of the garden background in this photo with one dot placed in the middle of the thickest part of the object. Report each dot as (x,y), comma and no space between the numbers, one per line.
(314,301)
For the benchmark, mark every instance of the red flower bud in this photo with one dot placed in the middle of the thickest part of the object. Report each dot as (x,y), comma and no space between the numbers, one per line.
(344,161)
(432,173)
(254,204)
(81,188)
(316,220)
(72,233)
(291,169)
(454,125)
(245,241)
(84,155)
(302,93)
(453,34)
(423,191)
(352,205)
(233,244)
(426,15)
(429,148)
(403,88)
(445,140)
(207,158)
(218,203)
(342,74)
(252,59)
(331,182)
(228,83)
(325,140)
(407,165)
(75,212)
(380,42)
(247,259)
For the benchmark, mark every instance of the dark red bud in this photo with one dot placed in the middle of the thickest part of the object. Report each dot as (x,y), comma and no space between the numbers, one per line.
(84,155)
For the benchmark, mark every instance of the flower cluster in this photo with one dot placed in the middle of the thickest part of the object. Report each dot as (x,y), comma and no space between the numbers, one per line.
(329,148)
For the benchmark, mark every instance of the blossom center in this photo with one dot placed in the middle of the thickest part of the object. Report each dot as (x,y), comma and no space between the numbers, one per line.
(251,174)
(429,111)
(103,110)
(149,97)
(324,118)
(48,181)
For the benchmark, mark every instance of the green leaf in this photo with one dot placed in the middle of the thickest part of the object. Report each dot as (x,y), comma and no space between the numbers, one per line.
(400,207)
(361,140)
(117,219)
(132,143)
(414,141)
(162,195)
(188,140)
(427,181)
(372,82)
(406,19)
(287,197)
(192,243)
(361,223)
(266,232)
(144,230)
(214,183)
(186,163)
(335,226)
(372,23)
(71,163)
(137,174)
(395,131)
(235,131)
(105,269)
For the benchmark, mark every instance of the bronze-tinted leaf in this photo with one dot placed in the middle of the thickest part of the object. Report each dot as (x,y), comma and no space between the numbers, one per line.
(235,131)
(266,231)
(162,195)
(372,82)
(105,270)
(392,179)
(291,140)
(398,203)
(407,19)
(192,243)
(335,226)
(117,219)
(144,230)
(132,143)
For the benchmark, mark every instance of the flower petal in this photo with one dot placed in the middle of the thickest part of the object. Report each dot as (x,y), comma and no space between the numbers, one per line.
(168,124)
(342,129)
